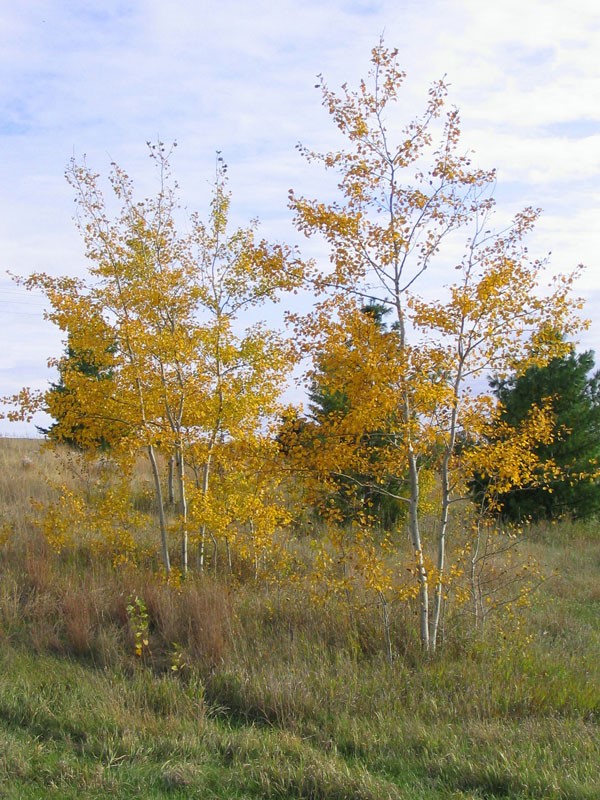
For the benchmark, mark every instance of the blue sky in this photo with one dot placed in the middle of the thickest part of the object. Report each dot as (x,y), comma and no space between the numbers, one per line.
(83,77)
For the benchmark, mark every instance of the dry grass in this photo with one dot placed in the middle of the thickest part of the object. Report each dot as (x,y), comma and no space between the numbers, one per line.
(249,690)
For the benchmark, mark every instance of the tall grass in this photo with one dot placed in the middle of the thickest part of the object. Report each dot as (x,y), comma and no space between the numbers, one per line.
(251,690)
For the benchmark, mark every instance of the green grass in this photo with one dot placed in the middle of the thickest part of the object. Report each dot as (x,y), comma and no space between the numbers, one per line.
(70,730)
(275,697)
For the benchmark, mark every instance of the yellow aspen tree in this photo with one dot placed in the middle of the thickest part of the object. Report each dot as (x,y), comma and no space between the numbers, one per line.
(244,367)
(404,193)
(160,312)
(243,508)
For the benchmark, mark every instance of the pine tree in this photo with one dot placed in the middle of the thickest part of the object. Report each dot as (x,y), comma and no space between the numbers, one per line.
(575,401)
(62,402)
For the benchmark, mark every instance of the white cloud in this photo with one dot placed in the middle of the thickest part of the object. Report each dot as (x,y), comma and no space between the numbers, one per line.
(101,78)
(538,160)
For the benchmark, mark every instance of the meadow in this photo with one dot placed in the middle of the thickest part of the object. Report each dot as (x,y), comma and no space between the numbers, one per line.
(113,682)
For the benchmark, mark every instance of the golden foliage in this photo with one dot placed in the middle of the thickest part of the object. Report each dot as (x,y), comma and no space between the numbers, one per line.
(412,402)
(161,317)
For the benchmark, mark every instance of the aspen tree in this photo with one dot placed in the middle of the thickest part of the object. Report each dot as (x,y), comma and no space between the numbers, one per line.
(162,314)
(243,371)
(403,194)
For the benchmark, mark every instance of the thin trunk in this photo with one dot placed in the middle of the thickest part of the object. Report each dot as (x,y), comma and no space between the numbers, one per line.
(475,581)
(413,506)
(183,508)
(441,554)
(229,558)
(413,472)
(161,510)
(386,627)
(446,490)
(215,552)
(415,537)
(256,553)
(205,482)
(171,481)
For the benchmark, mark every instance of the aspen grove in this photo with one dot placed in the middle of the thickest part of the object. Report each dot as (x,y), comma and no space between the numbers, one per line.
(160,313)
(184,381)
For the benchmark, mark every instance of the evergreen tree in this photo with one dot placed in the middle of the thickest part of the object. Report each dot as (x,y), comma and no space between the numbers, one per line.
(63,405)
(575,397)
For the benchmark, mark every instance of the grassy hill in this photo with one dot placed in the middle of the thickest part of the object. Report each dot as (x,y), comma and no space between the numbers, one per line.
(255,691)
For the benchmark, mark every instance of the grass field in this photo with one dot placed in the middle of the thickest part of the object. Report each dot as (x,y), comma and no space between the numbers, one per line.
(248,691)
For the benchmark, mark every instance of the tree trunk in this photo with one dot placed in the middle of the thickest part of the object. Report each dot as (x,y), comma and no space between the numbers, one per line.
(441,554)
(183,508)
(385,611)
(415,537)
(205,482)
(171,481)
(161,510)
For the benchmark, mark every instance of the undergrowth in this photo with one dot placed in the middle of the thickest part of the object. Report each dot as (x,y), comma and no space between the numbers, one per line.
(115,682)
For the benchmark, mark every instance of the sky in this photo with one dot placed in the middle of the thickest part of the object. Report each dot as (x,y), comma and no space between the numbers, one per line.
(100,79)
